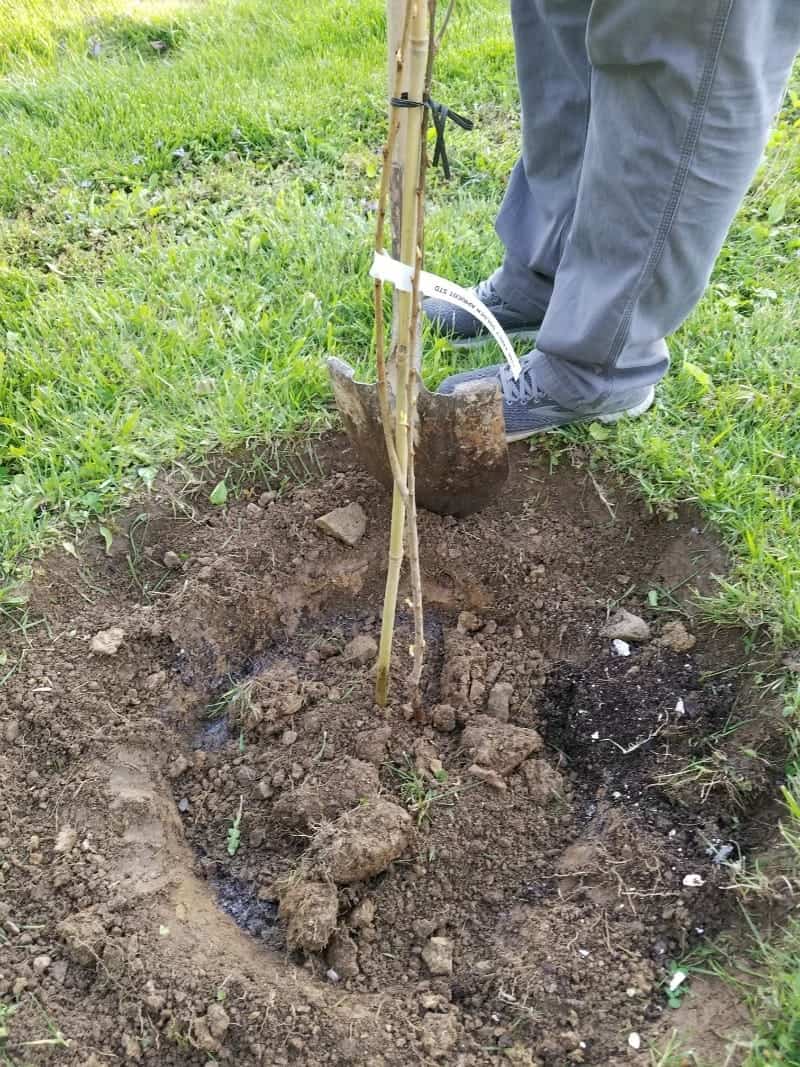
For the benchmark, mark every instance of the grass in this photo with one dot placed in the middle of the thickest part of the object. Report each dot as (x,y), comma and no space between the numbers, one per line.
(185,225)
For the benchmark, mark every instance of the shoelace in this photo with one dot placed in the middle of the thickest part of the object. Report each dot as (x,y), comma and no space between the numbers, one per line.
(524,389)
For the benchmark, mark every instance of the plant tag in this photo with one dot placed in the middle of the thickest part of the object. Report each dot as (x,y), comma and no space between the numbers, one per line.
(401,276)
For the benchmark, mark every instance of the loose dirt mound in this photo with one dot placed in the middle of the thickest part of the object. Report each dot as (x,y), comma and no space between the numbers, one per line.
(216,849)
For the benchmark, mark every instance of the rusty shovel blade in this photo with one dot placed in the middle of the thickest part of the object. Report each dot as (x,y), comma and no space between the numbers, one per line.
(461,451)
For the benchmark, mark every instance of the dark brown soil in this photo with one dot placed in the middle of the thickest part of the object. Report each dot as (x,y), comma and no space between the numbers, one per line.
(216,849)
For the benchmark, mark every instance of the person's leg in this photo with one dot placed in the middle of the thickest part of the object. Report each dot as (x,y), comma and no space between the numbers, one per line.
(553,75)
(683,94)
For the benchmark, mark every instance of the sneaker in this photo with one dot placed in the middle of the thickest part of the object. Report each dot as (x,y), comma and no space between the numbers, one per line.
(465,331)
(527,408)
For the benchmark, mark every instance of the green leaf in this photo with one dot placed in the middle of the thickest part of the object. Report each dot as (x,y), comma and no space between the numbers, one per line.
(148,475)
(777,210)
(220,494)
(599,432)
(652,598)
(699,375)
(108,538)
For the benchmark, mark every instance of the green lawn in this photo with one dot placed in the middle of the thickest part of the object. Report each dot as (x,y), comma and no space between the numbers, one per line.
(185,230)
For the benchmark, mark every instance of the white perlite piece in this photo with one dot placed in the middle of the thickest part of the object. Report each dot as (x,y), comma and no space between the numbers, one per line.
(634,1041)
(693,881)
(620,648)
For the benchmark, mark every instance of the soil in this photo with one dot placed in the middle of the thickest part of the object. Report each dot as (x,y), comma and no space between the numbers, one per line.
(216,849)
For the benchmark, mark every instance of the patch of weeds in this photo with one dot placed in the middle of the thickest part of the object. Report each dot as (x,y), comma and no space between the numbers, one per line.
(234,836)
(419,792)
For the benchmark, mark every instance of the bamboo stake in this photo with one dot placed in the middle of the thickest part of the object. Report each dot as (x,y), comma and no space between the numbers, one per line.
(413,382)
(417,60)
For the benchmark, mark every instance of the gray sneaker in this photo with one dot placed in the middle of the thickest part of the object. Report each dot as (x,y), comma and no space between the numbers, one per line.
(464,330)
(527,408)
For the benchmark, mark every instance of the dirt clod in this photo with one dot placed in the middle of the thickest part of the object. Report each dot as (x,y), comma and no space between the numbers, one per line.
(544,782)
(490,777)
(218,1020)
(172,561)
(108,642)
(499,701)
(625,626)
(439,1035)
(438,955)
(83,935)
(371,745)
(361,843)
(309,910)
(677,637)
(499,746)
(443,718)
(326,794)
(347,524)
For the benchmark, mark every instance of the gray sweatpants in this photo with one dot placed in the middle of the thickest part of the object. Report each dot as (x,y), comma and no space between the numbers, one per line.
(643,122)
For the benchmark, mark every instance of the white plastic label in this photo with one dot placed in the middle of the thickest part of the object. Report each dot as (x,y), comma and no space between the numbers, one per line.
(401,276)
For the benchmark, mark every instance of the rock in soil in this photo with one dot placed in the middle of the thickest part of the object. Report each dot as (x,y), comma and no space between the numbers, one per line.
(677,637)
(626,627)
(490,777)
(309,910)
(362,649)
(499,746)
(108,642)
(342,955)
(438,955)
(347,524)
(361,843)
(323,796)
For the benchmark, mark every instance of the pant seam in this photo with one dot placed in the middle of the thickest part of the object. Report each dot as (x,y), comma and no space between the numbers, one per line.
(691,140)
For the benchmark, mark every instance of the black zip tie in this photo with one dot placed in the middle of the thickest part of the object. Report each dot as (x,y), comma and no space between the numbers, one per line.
(440,113)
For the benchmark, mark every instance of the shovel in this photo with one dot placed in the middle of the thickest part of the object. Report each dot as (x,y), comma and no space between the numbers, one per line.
(460,445)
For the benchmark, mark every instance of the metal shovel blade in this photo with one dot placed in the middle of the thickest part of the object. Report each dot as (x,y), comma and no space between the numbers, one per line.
(461,451)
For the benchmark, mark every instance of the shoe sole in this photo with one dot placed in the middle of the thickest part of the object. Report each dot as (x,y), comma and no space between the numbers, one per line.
(609,417)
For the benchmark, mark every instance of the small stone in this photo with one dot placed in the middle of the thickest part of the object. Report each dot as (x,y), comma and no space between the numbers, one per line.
(342,955)
(19,986)
(218,1020)
(347,524)
(491,778)
(468,622)
(676,637)
(58,972)
(108,642)
(626,626)
(500,701)
(41,964)
(178,767)
(443,718)
(362,649)
(363,915)
(11,731)
(183,805)
(288,738)
(172,561)
(267,498)
(66,839)
(254,512)
(438,955)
